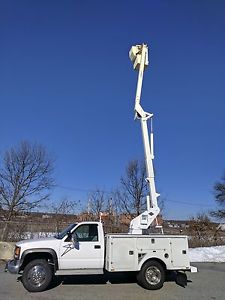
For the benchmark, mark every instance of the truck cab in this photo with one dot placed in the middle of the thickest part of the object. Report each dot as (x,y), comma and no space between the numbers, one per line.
(78,249)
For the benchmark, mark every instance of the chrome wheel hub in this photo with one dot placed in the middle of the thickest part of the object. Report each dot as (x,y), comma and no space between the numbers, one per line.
(37,275)
(153,275)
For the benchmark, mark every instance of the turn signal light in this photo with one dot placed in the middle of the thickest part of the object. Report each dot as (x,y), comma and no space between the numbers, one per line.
(17,252)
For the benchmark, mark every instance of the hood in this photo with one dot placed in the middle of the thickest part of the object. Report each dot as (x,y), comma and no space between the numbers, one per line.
(48,242)
(46,239)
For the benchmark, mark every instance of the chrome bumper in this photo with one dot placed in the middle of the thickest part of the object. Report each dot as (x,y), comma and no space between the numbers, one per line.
(12,266)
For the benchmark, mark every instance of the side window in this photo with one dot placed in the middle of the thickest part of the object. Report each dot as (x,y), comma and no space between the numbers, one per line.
(87,232)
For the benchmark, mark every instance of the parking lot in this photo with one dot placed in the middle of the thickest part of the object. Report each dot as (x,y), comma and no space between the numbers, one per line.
(208,283)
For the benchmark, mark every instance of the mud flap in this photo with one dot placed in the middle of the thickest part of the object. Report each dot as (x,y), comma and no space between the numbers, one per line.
(181,279)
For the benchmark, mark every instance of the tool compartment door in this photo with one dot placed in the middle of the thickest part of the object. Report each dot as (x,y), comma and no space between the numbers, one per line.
(123,254)
(179,252)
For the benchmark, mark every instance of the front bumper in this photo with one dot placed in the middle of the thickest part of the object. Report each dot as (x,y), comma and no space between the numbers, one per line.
(13,266)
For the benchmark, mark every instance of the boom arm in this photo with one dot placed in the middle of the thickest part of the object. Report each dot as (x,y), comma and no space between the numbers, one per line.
(139,57)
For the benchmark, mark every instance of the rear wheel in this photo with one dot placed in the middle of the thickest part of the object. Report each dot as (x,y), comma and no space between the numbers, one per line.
(152,275)
(37,275)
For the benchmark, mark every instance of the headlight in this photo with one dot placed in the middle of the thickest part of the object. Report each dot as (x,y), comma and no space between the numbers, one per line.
(17,252)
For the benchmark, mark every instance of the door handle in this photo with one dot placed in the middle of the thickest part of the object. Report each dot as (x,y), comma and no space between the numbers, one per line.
(97,246)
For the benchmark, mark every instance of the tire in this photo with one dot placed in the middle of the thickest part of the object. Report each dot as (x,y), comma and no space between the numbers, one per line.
(37,275)
(152,275)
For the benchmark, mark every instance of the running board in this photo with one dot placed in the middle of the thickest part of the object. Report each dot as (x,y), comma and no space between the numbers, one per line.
(79,272)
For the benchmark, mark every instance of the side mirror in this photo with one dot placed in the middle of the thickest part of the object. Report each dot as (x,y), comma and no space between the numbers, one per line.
(75,240)
(69,235)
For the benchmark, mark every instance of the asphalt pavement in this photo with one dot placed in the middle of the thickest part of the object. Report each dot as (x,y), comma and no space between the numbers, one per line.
(208,283)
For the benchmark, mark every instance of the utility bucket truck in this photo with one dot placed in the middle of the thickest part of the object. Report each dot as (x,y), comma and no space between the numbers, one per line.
(82,248)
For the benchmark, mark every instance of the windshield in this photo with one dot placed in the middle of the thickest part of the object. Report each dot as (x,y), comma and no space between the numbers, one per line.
(64,232)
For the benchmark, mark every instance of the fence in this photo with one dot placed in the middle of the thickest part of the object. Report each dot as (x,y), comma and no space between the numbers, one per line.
(19,230)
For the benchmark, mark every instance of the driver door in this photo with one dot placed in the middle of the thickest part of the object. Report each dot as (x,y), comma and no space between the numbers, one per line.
(84,250)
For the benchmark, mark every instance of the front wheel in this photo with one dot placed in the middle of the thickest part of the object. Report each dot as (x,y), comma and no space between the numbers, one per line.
(37,275)
(152,275)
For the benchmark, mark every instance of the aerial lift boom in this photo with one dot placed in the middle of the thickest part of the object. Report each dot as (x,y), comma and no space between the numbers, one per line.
(139,57)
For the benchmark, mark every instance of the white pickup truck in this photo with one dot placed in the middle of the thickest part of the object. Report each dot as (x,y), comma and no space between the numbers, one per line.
(82,248)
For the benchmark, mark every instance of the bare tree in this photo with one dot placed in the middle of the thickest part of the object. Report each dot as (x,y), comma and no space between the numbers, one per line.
(96,203)
(203,232)
(62,208)
(133,188)
(161,204)
(25,179)
(219,191)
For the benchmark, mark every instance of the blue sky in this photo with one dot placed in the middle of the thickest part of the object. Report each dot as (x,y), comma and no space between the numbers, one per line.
(66,82)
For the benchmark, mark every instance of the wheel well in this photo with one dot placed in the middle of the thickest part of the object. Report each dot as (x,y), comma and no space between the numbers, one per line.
(155,259)
(37,255)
